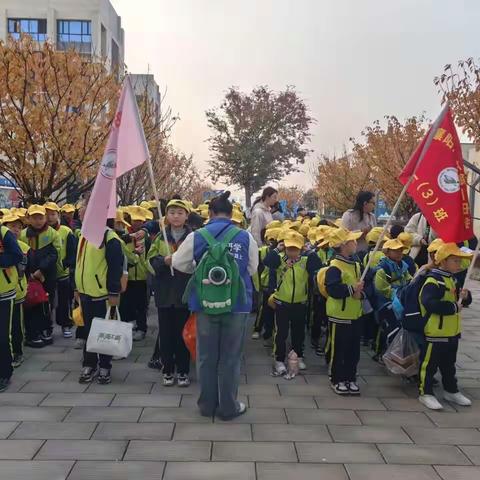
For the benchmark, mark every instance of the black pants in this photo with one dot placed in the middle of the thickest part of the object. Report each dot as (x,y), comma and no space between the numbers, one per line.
(63,312)
(37,319)
(265,317)
(134,304)
(344,351)
(388,325)
(434,356)
(6,312)
(173,351)
(369,326)
(93,308)
(319,317)
(17,329)
(289,317)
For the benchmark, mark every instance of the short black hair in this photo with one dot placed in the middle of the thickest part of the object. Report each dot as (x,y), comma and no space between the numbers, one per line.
(396,230)
(221,204)
(195,221)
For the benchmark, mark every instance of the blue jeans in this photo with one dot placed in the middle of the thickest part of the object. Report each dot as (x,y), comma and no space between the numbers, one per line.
(220,341)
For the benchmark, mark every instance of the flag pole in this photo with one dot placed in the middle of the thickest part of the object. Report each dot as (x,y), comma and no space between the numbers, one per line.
(429,141)
(472,265)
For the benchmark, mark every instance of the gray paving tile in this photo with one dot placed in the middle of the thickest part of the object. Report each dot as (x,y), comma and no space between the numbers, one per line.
(307,390)
(19,449)
(267,379)
(300,471)
(258,390)
(322,417)
(378,434)
(190,401)
(6,428)
(41,414)
(171,451)
(290,433)
(394,418)
(254,451)
(472,452)
(392,472)
(455,420)
(117,471)
(444,436)
(260,415)
(277,401)
(379,391)
(82,450)
(78,400)
(53,387)
(410,405)
(146,400)
(458,473)
(213,432)
(423,454)
(120,388)
(134,431)
(349,403)
(209,471)
(15,470)
(338,452)
(175,415)
(160,389)
(54,430)
(27,376)
(103,414)
(117,377)
(21,399)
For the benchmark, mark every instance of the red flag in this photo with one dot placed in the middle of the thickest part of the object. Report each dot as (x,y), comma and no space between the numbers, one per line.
(439,185)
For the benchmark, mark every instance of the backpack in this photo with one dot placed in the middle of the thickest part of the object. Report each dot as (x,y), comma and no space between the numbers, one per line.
(322,273)
(216,279)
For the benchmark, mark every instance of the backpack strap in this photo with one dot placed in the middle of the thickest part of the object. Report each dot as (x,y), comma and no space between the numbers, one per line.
(211,240)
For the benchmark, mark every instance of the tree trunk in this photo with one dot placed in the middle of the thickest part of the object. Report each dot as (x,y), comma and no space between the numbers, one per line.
(248,196)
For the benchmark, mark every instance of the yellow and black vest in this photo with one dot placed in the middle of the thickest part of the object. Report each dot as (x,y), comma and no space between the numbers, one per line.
(293,282)
(91,270)
(21,291)
(139,270)
(63,232)
(342,310)
(9,275)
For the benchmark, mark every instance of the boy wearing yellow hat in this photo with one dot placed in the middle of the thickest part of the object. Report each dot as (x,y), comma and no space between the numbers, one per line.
(344,309)
(441,303)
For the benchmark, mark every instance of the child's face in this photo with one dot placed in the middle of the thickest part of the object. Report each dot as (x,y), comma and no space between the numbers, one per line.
(272,243)
(68,216)
(395,255)
(38,221)
(452,264)
(177,217)
(52,217)
(119,226)
(15,228)
(136,225)
(349,248)
(292,252)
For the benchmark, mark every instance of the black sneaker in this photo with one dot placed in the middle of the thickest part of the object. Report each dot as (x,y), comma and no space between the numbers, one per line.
(183,380)
(319,352)
(35,343)
(104,377)
(155,364)
(17,361)
(47,337)
(87,375)
(67,332)
(4,383)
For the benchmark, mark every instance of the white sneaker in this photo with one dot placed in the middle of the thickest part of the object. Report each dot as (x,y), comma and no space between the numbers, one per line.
(457,398)
(138,335)
(353,388)
(301,364)
(255,335)
(431,402)
(79,343)
(279,369)
(168,380)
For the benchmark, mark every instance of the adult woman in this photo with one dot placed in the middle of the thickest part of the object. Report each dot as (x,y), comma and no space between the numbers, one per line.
(423,235)
(361,217)
(261,213)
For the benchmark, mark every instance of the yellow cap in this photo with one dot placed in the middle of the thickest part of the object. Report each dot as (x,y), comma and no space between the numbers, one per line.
(338,223)
(374,234)
(36,209)
(435,245)
(315,222)
(204,213)
(294,239)
(407,240)
(120,218)
(450,249)
(68,208)
(137,213)
(312,234)
(180,204)
(237,216)
(10,218)
(283,233)
(4,211)
(52,206)
(394,244)
(148,213)
(340,236)
(274,224)
(146,205)
(303,230)
(296,225)
(272,233)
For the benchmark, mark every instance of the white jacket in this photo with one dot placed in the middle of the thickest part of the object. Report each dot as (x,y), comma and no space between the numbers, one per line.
(417,226)
(261,217)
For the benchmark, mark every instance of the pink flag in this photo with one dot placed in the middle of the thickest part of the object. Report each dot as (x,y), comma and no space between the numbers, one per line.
(126,149)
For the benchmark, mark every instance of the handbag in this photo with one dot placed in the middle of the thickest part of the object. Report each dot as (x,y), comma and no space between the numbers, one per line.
(110,336)
(77,316)
(190,335)
(36,294)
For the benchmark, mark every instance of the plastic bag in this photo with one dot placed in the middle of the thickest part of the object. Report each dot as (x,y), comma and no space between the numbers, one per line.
(403,354)
(36,294)
(77,316)
(110,337)
(190,335)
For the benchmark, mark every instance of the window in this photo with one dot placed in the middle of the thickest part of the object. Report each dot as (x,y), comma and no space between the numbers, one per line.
(76,34)
(37,28)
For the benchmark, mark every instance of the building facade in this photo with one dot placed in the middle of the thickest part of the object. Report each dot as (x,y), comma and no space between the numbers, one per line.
(92,27)
(145,84)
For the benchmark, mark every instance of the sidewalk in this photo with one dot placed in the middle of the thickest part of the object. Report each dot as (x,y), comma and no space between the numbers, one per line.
(52,428)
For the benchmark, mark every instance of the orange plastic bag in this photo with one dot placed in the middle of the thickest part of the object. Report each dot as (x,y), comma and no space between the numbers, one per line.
(190,335)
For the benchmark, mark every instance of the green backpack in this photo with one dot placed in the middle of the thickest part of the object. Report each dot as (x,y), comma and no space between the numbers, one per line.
(217,280)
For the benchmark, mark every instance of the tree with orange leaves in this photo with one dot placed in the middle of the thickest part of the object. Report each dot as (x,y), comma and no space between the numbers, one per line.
(293,195)
(55,112)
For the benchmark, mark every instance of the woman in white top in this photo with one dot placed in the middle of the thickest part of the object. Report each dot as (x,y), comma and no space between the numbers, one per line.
(261,213)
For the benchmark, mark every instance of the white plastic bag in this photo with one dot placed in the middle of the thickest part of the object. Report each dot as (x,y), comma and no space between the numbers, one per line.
(110,337)
(402,355)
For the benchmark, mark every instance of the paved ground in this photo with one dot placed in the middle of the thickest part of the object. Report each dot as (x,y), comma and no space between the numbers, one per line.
(52,428)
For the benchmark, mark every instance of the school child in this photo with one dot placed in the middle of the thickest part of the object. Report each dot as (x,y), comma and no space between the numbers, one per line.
(134,301)
(265,316)
(290,296)
(67,216)
(10,256)
(43,254)
(344,309)
(173,313)
(391,274)
(98,284)
(441,303)
(62,302)
(397,231)
(15,225)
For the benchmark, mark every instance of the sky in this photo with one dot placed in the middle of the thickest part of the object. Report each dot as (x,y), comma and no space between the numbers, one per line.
(352,61)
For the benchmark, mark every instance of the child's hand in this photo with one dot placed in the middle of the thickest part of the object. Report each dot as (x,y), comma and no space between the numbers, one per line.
(459,306)
(463,294)
(359,287)
(281,246)
(168,260)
